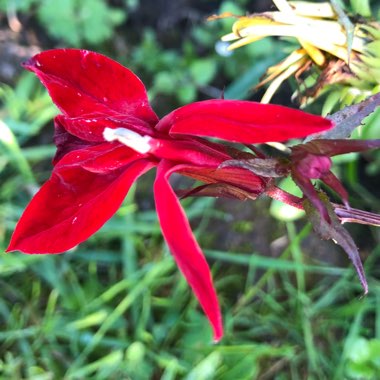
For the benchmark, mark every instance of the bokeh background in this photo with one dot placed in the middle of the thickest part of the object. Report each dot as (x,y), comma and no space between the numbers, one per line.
(116,307)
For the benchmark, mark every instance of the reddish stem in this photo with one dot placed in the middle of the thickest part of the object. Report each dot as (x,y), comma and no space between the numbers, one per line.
(284,197)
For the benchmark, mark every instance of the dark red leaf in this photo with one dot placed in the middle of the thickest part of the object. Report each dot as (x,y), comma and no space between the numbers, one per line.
(216,190)
(266,167)
(335,231)
(311,194)
(241,178)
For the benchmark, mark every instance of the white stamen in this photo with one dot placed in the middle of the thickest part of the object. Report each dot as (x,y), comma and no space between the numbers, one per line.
(129,138)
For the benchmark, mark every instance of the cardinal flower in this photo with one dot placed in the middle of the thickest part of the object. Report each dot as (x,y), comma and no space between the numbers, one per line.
(108,135)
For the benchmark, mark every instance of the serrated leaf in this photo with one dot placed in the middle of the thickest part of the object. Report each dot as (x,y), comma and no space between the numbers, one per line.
(349,118)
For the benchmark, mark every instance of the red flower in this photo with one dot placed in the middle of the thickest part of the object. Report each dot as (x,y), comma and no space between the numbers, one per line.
(108,135)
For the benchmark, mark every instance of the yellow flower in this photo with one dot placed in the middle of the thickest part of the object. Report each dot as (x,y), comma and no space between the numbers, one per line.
(332,49)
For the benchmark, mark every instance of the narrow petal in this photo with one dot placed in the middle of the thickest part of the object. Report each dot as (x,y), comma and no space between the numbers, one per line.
(333,229)
(353,215)
(185,249)
(91,128)
(84,83)
(71,206)
(216,190)
(242,121)
(338,146)
(311,194)
(333,182)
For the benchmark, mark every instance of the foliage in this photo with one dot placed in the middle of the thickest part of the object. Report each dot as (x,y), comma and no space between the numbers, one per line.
(94,20)
(72,21)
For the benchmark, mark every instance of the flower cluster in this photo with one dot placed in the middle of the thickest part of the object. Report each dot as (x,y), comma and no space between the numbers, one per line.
(107,136)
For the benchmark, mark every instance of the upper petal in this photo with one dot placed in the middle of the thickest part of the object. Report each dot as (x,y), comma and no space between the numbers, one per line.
(242,121)
(91,128)
(84,83)
(72,205)
(185,249)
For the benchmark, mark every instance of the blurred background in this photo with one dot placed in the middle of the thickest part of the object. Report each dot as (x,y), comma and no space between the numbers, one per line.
(116,307)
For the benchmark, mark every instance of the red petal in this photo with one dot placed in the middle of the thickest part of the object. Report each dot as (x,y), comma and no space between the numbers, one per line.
(71,206)
(100,158)
(66,142)
(84,83)
(91,129)
(241,178)
(333,182)
(187,151)
(185,249)
(242,121)
(310,193)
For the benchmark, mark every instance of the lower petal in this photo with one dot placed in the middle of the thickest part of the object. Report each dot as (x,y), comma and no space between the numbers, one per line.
(185,249)
(71,206)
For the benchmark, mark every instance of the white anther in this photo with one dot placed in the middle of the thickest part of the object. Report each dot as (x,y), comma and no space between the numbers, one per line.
(129,138)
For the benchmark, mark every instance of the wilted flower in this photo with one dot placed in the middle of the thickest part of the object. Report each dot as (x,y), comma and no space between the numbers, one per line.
(332,49)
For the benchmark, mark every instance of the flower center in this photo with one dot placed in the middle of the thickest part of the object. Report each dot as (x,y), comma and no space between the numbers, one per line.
(128,138)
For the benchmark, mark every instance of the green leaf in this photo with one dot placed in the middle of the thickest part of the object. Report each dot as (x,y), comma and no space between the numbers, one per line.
(330,102)
(203,71)
(206,369)
(164,83)
(75,21)
(361,7)
(240,87)
(16,5)
(186,93)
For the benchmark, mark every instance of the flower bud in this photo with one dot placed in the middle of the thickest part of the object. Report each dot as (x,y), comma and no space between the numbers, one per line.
(314,167)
